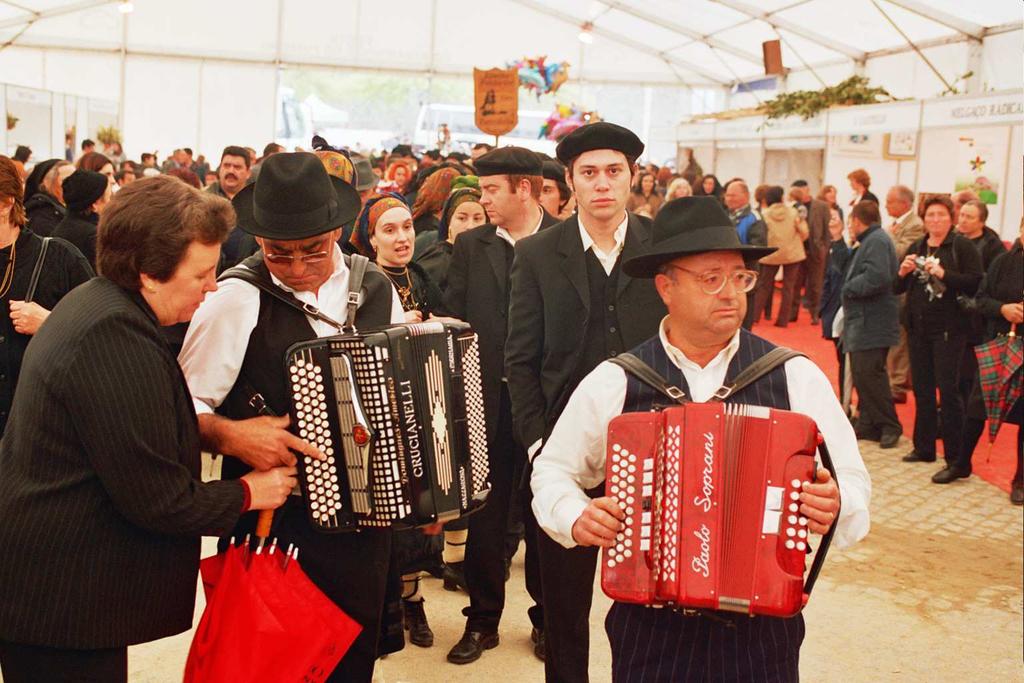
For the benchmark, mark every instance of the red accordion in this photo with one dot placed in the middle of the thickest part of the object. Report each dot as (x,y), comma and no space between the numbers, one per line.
(711,496)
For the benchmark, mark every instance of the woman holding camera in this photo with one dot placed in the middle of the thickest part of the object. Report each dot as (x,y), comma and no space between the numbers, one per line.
(937,269)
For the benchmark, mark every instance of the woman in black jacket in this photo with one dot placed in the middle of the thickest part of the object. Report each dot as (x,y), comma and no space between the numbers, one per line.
(100,496)
(461,212)
(936,269)
(85,193)
(44,196)
(1000,302)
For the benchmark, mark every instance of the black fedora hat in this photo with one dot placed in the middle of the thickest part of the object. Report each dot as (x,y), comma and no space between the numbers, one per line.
(294,198)
(687,226)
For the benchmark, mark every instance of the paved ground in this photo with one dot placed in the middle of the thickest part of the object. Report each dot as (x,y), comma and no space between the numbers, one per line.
(933,594)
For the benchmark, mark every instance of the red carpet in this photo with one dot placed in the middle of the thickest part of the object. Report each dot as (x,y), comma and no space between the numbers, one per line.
(996,467)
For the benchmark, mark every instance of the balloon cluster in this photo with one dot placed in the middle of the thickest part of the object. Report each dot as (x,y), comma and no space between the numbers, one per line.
(564,120)
(536,75)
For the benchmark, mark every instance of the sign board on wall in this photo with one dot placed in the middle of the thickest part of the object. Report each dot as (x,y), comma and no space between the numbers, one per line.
(695,132)
(795,127)
(973,111)
(747,128)
(876,118)
(496,92)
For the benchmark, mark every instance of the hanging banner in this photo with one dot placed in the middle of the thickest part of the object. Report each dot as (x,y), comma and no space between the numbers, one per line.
(496,92)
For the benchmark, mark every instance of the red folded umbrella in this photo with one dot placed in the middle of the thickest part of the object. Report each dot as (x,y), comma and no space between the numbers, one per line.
(265,621)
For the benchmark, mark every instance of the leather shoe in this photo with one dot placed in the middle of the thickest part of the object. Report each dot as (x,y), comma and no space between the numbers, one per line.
(1017,493)
(416,623)
(948,474)
(539,643)
(454,577)
(899,397)
(890,439)
(471,646)
(914,456)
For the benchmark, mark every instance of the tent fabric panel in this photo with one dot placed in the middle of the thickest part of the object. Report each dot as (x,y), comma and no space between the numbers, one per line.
(204,28)
(162,104)
(225,118)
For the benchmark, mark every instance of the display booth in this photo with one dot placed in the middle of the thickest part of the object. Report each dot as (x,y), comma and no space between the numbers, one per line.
(47,121)
(941,145)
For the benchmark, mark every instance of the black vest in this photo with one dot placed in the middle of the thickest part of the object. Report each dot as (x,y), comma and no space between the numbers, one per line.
(277,328)
(603,336)
(770,391)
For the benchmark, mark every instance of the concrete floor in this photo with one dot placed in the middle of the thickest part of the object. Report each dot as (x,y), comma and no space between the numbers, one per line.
(933,594)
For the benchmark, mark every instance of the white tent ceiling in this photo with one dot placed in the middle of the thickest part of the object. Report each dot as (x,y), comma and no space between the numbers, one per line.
(672,42)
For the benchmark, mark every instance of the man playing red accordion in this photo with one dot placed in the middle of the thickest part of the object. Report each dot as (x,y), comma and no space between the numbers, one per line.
(702,273)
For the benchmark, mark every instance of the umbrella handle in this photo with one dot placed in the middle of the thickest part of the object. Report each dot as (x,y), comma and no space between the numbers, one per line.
(263,523)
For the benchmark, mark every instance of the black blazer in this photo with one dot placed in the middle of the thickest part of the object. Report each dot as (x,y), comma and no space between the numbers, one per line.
(548,318)
(80,231)
(100,499)
(477,292)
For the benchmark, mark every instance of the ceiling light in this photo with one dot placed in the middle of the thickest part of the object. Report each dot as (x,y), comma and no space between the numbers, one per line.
(126,7)
(585,34)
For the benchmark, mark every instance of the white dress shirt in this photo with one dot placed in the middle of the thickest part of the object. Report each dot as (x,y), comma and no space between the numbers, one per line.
(507,236)
(607,260)
(573,457)
(215,344)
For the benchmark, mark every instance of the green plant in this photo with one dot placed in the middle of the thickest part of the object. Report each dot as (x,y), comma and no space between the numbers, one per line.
(807,103)
(108,135)
(12,121)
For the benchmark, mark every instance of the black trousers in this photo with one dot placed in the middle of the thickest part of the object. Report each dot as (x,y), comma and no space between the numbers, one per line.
(766,287)
(567,575)
(874,397)
(484,565)
(33,664)
(663,646)
(935,359)
(350,568)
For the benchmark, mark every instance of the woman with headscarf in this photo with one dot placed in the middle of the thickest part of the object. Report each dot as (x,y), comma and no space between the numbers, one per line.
(44,196)
(86,193)
(710,187)
(461,212)
(397,177)
(426,210)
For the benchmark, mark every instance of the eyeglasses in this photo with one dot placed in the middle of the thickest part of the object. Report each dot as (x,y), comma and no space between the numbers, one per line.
(307,259)
(713,282)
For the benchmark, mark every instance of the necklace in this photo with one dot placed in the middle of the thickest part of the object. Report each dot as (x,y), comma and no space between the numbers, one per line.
(5,284)
(405,293)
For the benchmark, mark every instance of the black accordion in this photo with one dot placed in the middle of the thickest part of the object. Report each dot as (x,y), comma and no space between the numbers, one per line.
(399,412)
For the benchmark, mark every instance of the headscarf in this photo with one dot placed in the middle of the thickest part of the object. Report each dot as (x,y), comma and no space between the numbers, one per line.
(337,165)
(432,194)
(34,183)
(464,189)
(374,208)
(393,166)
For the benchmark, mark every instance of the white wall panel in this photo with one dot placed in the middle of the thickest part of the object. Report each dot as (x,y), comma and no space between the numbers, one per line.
(237,108)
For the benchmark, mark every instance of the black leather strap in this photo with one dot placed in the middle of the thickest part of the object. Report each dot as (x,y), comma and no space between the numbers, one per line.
(755,371)
(357,269)
(646,374)
(36,270)
(247,275)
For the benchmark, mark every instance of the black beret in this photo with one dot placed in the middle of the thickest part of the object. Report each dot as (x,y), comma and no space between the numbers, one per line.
(554,170)
(508,161)
(82,189)
(600,135)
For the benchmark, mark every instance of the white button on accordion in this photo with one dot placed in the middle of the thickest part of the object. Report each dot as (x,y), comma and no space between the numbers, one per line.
(399,413)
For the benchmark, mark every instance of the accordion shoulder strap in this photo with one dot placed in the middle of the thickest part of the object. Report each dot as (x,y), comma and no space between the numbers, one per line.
(755,371)
(357,269)
(36,270)
(646,374)
(253,278)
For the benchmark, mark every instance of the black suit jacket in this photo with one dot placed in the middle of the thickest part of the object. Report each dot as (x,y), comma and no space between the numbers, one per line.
(100,500)
(548,317)
(478,285)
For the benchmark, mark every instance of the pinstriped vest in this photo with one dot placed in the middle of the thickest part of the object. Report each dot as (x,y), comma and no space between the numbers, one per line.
(770,391)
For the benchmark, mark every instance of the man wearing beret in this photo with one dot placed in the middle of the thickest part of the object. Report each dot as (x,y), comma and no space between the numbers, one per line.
(571,308)
(555,195)
(478,292)
(235,349)
(701,271)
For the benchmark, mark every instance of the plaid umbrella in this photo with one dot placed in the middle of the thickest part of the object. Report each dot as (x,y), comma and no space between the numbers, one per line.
(1000,364)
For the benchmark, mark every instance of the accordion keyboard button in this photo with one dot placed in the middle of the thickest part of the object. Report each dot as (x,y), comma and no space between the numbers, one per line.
(794,496)
(790,545)
(791,519)
(802,533)
(801,546)
(791,532)
(796,483)
(803,521)
(793,507)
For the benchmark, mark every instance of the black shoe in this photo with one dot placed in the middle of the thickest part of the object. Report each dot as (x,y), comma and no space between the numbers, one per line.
(890,440)
(1017,493)
(948,474)
(539,643)
(867,433)
(914,456)
(416,623)
(455,577)
(471,646)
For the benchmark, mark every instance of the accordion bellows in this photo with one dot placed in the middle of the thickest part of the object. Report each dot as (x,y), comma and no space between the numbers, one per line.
(399,413)
(711,496)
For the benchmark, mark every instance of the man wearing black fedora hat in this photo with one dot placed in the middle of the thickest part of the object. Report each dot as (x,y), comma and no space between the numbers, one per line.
(235,347)
(701,271)
(571,308)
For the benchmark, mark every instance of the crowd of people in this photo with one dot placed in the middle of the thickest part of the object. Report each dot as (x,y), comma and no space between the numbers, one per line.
(114,384)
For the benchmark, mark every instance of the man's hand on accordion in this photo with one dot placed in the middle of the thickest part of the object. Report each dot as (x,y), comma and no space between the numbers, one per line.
(599,523)
(265,442)
(820,502)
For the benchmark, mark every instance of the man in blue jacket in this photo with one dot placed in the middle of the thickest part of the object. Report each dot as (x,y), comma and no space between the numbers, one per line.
(871,324)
